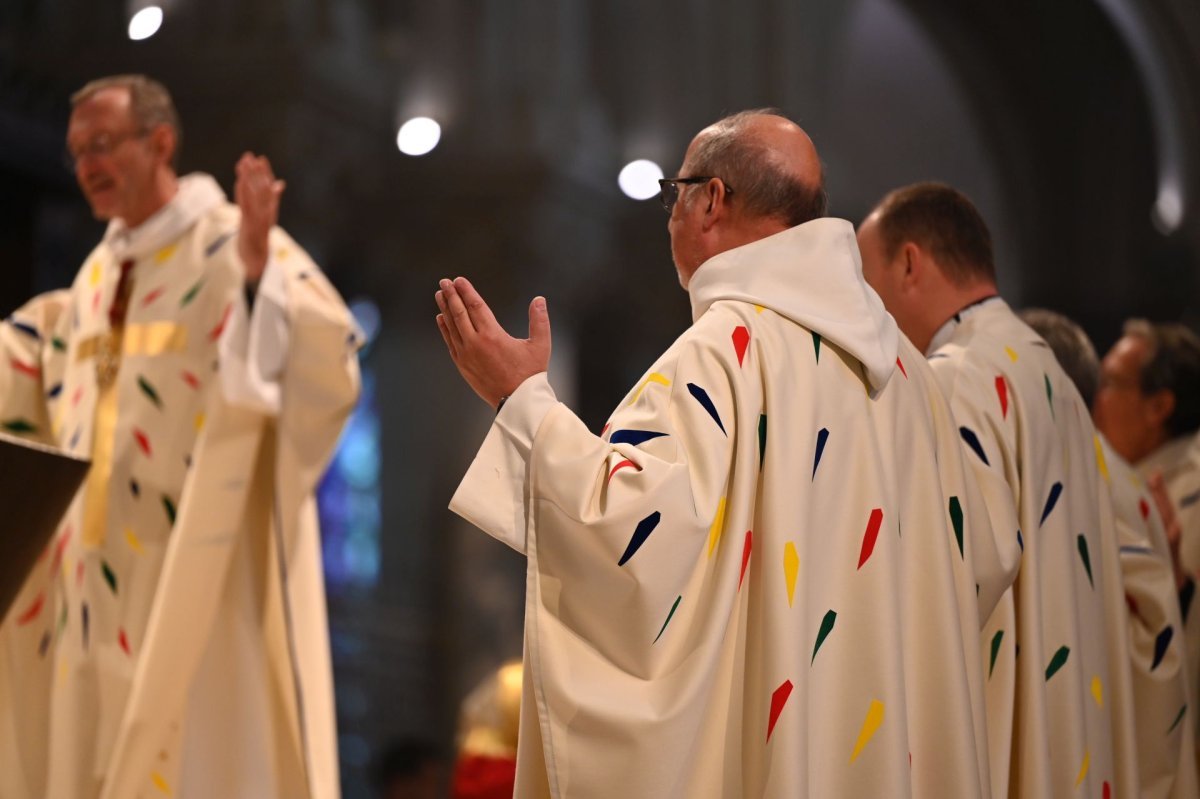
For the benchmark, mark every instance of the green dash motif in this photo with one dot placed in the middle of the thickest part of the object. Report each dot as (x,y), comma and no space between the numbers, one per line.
(996,639)
(1178,719)
(191,293)
(1087,561)
(169,507)
(18,426)
(956,516)
(668,621)
(1057,662)
(110,576)
(826,628)
(149,391)
(762,438)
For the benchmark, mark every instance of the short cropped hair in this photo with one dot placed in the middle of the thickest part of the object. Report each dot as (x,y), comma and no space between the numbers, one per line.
(1173,364)
(759,179)
(945,222)
(149,101)
(1071,346)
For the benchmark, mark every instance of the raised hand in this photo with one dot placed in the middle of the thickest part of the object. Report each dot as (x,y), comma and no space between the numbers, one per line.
(492,362)
(257,192)
(1166,509)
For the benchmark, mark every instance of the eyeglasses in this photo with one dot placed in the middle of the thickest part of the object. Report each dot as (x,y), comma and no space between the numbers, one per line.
(669,189)
(100,145)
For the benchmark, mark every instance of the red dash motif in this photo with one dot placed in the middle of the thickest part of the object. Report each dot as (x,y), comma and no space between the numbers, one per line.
(143,441)
(604,429)
(741,339)
(868,544)
(152,296)
(26,369)
(1144,508)
(216,332)
(123,641)
(79,573)
(76,397)
(745,557)
(96,301)
(191,380)
(59,547)
(1002,393)
(32,611)
(1107,791)
(621,465)
(778,699)
(903,371)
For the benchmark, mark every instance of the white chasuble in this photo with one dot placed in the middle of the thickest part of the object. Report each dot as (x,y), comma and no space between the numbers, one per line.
(172,639)
(1056,649)
(1165,744)
(760,578)
(1179,462)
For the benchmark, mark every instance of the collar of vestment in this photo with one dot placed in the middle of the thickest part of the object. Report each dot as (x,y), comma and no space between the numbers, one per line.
(1172,458)
(197,194)
(811,274)
(946,332)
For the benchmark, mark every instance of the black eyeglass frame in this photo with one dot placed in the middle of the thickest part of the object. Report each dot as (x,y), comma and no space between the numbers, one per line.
(102,145)
(669,196)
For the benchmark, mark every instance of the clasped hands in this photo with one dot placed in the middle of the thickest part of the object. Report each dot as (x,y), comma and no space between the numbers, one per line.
(492,362)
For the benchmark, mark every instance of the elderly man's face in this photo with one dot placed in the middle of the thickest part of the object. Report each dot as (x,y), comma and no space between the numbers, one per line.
(115,161)
(1122,411)
(687,246)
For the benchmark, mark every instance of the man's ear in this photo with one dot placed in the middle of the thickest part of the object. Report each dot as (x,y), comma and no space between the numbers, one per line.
(1160,406)
(912,264)
(163,140)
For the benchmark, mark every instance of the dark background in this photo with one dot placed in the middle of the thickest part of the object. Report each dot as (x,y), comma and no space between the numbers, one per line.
(1075,126)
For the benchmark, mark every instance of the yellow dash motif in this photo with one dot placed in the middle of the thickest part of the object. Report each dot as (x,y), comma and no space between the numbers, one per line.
(654,378)
(1100,462)
(164,255)
(759,308)
(1083,770)
(1098,691)
(132,540)
(199,422)
(94,275)
(869,728)
(160,782)
(1012,354)
(791,567)
(714,532)
(282,253)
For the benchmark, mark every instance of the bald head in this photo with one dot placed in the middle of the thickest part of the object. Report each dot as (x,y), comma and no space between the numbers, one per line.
(769,161)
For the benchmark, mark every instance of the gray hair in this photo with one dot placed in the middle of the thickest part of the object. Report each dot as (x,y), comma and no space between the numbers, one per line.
(757,175)
(149,101)
(1071,346)
(1173,364)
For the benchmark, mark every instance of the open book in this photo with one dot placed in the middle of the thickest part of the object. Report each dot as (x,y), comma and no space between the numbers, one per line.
(37,484)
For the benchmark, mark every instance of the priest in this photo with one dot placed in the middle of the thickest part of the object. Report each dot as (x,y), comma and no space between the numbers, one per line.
(759,579)
(172,639)
(1060,712)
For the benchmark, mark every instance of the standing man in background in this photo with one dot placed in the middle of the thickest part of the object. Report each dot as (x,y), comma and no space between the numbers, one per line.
(1151,577)
(1148,406)
(172,640)
(1060,716)
(758,579)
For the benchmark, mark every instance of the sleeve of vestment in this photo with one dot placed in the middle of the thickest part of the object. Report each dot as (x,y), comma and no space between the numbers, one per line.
(254,345)
(28,342)
(617,520)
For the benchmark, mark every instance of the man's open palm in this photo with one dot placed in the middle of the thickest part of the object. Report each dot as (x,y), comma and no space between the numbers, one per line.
(492,362)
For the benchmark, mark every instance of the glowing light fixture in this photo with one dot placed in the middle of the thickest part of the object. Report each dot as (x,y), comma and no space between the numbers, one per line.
(639,179)
(145,23)
(418,136)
